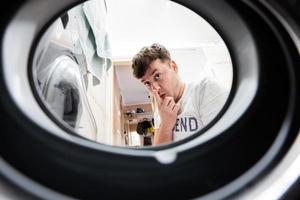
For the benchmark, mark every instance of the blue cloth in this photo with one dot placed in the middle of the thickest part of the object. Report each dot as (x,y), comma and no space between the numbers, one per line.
(93,37)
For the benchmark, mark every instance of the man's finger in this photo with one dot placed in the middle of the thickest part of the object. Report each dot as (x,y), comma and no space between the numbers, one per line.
(168,102)
(176,107)
(171,104)
(157,97)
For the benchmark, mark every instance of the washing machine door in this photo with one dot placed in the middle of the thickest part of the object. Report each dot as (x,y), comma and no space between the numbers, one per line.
(255,155)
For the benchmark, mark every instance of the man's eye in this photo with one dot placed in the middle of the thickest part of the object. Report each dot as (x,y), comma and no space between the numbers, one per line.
(157,77)
(147,84)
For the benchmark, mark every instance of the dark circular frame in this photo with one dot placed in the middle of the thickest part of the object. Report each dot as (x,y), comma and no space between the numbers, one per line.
(219,168)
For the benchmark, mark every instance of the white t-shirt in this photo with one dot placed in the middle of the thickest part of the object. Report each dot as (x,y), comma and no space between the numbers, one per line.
(199,104)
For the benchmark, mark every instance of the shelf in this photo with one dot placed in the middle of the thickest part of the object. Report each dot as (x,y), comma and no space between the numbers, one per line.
(136,117)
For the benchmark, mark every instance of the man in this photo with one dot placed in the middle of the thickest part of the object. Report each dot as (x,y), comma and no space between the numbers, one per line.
(181,109)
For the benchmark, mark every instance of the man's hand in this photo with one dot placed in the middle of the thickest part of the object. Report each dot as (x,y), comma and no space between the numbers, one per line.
(168,111)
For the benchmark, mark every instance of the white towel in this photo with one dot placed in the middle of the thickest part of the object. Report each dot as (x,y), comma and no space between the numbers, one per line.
(95,12)
(93,36)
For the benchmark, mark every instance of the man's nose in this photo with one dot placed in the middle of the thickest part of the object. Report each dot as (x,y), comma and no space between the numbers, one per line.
(155,86)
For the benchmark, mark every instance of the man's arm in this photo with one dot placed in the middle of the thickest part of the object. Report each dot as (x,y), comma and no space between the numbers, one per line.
(162,135)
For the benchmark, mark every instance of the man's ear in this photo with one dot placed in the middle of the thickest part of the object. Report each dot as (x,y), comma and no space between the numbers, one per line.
(174,66)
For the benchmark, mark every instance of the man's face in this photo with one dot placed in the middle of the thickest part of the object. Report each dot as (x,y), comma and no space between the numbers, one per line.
(162,77)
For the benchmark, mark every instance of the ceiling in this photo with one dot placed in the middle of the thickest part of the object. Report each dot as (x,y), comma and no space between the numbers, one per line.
(132,91)
(132,24)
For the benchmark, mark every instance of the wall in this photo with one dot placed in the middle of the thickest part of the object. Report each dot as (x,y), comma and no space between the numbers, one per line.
(117,114)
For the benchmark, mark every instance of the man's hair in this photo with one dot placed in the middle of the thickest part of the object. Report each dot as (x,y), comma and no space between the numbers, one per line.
(142,60)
